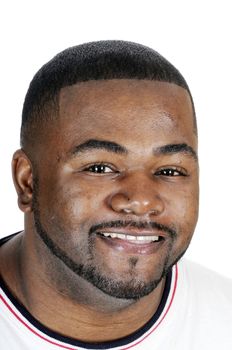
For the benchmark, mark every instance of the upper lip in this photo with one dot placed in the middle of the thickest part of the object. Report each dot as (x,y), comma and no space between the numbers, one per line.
(134,232)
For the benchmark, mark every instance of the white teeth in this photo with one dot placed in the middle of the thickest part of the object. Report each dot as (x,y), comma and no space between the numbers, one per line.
(130,238)
(135,239)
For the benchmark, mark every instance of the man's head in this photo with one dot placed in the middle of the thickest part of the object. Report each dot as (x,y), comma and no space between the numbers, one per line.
(103,60)
(109,178)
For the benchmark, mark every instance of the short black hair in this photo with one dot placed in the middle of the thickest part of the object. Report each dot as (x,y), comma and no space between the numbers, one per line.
(99,60)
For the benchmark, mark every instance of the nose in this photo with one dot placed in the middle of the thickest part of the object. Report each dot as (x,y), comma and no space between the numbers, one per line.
(138,197)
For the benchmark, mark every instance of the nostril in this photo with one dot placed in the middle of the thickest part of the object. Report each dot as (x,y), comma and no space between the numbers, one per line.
(120,202)
(126,210)
(138,205)
(153,212)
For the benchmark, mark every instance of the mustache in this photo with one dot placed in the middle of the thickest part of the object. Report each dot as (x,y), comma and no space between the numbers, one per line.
(137,225)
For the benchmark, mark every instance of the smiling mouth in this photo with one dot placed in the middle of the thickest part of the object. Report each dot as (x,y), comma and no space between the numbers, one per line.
(138,239)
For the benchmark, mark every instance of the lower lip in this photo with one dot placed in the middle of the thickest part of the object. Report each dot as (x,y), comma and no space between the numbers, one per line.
(132,248)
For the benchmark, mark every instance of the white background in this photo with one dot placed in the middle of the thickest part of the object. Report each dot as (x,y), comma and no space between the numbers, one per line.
(196,36)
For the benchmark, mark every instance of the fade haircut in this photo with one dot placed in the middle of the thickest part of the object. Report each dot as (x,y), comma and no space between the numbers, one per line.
(100,60)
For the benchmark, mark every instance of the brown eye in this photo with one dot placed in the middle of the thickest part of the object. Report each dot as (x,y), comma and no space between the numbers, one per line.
(170,172)
(99,169)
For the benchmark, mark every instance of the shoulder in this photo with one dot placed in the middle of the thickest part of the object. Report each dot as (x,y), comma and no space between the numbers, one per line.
(198,271)
(201,311)
(205,282)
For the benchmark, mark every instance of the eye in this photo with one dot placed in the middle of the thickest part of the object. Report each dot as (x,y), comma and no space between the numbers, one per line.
(99,169)
(171,172)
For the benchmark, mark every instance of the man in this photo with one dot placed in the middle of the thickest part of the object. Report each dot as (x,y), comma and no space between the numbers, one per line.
(107,177)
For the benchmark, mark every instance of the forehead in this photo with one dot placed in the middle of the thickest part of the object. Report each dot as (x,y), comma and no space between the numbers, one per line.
(122,93)
(124,108)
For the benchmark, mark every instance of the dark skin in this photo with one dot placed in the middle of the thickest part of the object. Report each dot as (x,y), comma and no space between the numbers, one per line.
(134,175)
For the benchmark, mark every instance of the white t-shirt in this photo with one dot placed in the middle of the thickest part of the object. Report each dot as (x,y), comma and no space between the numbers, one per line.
(195,313)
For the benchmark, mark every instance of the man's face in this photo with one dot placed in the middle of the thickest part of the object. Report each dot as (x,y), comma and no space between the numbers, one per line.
(116,189)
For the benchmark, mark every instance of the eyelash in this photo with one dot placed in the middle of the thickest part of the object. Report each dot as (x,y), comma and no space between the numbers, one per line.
(98,168)
(99,165)
(170,172)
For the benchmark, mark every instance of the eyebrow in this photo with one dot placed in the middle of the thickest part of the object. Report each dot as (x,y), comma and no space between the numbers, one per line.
(108,146)
(176,148)
(114,147)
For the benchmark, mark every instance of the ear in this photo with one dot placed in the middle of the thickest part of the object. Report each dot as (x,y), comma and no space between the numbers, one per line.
(23,180)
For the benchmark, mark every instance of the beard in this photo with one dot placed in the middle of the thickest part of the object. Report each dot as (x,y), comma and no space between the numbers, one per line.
(132,289)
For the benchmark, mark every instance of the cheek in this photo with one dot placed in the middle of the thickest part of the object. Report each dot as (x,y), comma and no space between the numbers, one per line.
(183,209)
(185,214)
(186,200)
(73,203)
